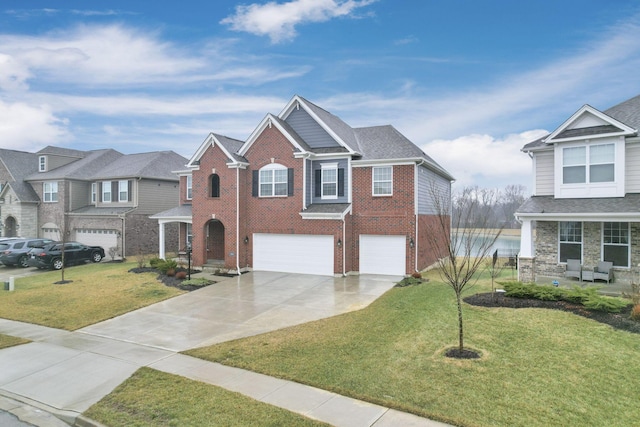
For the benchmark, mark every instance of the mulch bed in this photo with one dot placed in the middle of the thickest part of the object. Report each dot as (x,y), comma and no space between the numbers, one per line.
(620,320)
(171,280)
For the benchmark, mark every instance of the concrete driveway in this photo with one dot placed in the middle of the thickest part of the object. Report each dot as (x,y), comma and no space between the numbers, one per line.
(67,372)
(241,306)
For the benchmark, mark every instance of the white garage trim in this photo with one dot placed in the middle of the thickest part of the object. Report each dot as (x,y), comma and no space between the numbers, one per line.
(293,253)
(383,254)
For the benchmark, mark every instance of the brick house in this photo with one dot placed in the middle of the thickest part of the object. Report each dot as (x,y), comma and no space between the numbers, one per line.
(101,197)
(307,193)
(586,195)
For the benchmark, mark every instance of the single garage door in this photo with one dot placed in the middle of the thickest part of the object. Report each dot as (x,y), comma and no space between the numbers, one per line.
(98,237)
(383,254)
(293,253)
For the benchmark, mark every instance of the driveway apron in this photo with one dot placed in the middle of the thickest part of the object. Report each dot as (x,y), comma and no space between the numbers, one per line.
(67,372)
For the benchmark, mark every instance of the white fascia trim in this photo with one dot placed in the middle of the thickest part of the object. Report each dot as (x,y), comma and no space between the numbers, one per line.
(318,215)
(184,172)
(626,130)
(295,101)
(200,151)
(588,217)
(269,120)
(587,137)
(237,165)
(385,162)
(168,219)
(314,156)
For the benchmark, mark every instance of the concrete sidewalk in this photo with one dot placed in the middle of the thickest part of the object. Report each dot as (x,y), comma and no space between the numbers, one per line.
(64,373)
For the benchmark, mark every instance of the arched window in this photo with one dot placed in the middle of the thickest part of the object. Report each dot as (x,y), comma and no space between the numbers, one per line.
(214,185)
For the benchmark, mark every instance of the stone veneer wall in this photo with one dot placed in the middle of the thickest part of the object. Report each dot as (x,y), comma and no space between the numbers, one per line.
(546,261)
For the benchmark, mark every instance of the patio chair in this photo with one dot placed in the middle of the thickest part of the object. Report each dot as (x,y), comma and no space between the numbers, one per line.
(574,269)
(604,271)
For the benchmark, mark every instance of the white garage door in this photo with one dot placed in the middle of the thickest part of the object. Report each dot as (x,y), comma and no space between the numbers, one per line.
(293,253)
(98,237)
(383,254)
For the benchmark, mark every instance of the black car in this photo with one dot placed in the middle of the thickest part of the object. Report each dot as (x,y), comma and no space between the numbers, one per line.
(15,251)
(50,256)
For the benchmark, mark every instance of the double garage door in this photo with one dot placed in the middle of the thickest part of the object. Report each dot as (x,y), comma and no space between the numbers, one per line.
(313,254)
(293,253)
(98,237)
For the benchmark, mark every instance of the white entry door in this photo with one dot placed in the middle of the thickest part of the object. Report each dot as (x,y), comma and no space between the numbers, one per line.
(293,253)
(383,254)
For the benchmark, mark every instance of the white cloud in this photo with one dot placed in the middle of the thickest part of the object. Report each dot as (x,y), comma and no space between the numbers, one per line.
(279,20)
(484,160)
(26,127)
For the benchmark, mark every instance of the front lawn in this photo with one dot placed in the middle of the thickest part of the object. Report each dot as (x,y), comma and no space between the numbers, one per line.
(539,367)
(9,341)
(152,398)
(95,292)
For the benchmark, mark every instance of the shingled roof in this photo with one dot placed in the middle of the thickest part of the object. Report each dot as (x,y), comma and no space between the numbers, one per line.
(607,205)
(20,164)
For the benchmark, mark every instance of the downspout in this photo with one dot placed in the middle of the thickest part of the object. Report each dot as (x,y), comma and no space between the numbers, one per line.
(416,186)
(344,244)
(238,220)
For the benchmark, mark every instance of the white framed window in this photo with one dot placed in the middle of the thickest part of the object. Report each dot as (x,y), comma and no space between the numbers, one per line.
(615,243)
(588,164)
(329,180)
(569,240)
(189,187)
(382,179)
(42,164)
(106,191)
(273,180)
(123,190)
(189,236)
(50,191)
(94,192)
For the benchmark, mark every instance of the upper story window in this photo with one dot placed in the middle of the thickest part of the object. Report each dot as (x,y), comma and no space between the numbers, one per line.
(382,181)
(42,164)
(50,191)
(94,192)
(189,187)
(587,164)
(106,191)
(329,180)
(214,185)
(123,191)
(273,181)
(570,240)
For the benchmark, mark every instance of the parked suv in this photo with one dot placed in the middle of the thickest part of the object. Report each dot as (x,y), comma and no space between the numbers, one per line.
(15,251)
(50,256)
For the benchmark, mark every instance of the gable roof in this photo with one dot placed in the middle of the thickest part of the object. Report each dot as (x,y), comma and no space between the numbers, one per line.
(229,146)
(82,169)
(59,151)
(621,119)
(20,164)
(153,165)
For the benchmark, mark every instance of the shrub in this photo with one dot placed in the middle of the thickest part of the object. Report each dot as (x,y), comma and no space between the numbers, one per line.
(153,262)
(547,293)
(519,290)
(181,275)
(201,281)
(408,281)
(606,304)
(635,312)
(579,295)
(113,251)
(164,265)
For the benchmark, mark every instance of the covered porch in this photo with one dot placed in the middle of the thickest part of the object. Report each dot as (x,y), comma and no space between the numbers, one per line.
(181,214)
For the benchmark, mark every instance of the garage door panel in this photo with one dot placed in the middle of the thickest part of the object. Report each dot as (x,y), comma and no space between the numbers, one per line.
(383,254)
(98,237)
(293,253)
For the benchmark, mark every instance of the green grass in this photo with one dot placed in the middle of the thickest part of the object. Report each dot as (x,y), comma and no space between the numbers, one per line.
(9,341)
(152,398)
(538,367)
(96,292)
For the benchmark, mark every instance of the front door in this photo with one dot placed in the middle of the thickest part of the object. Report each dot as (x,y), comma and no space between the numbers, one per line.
(10,227)
(215,241)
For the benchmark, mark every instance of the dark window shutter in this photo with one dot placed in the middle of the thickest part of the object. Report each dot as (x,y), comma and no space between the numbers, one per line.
(129,189)
(341,182)
(290,182)
(115,191)
(99,190)
(255,183)
(318,190)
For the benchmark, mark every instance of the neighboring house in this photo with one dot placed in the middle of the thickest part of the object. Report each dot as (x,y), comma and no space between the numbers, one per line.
(586,194)
(99,197)
(307,193)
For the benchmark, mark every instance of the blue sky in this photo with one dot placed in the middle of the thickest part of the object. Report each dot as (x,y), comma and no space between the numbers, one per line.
(468,81)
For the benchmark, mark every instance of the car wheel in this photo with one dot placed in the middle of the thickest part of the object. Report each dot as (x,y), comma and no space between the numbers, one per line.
(57,264)
(96,257)
(23,261)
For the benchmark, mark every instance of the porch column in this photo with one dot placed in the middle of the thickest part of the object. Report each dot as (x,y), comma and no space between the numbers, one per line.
(526,239)
(161,237)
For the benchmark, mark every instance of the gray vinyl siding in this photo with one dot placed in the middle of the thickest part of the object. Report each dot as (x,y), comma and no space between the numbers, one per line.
(632,168)
(54,162)
(342,164)
(309,130)
(155,196)
(80,194)
(544,174)
(430,186)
